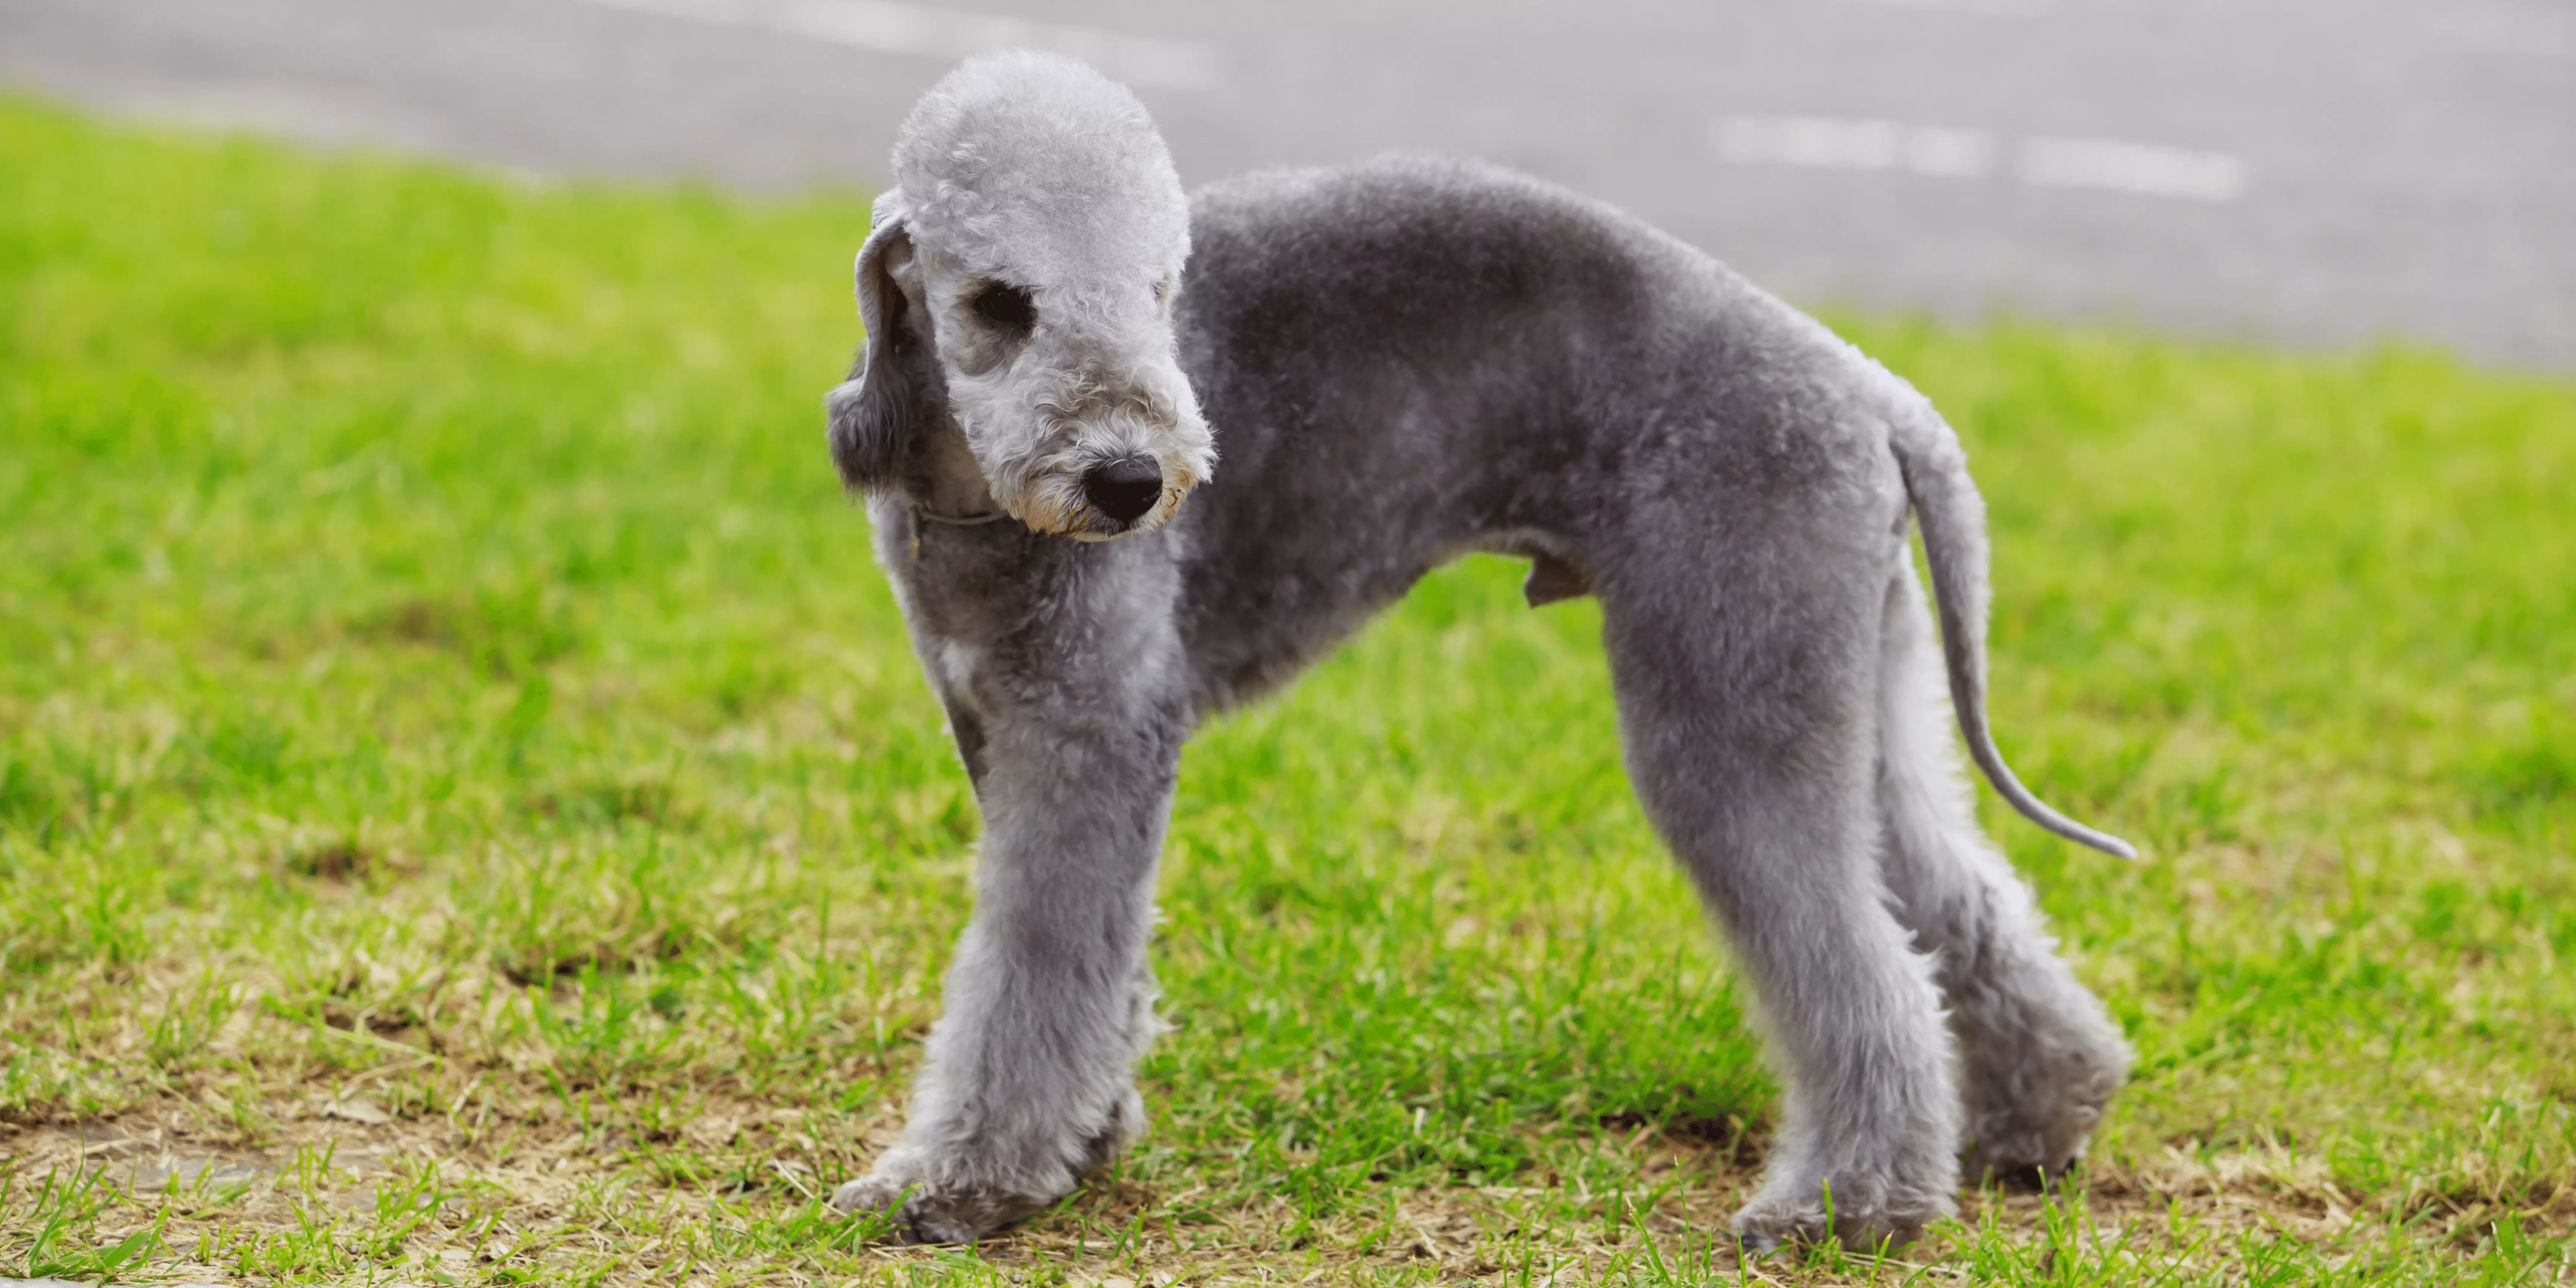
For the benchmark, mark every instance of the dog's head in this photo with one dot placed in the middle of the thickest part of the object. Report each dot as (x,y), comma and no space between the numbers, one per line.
(1019,282)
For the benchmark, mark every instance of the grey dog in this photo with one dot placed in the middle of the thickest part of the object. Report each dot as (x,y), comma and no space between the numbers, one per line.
(1406,360)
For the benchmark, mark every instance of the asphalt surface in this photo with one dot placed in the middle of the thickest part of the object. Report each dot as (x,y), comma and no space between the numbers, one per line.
(2311,172)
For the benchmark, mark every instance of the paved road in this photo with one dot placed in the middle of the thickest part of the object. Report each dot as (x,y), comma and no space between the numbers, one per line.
(2311,171)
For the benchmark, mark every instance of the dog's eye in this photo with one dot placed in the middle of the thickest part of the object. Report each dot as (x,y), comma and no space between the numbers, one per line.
(1007,307)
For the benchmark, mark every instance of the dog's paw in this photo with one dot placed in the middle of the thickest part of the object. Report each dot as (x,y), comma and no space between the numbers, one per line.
(1776,1220)
(2042,1062)
(2032,1139)
(2026,1130)
(920,1213)
(2022,1165)
(874,1197)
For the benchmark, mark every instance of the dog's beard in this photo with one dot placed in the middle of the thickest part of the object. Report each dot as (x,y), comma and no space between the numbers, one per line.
(1043,487)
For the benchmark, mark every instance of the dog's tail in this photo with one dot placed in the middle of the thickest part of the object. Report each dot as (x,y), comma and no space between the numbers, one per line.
(1954,543)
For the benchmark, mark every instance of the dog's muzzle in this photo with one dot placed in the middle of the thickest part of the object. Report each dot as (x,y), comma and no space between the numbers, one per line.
(1123,488)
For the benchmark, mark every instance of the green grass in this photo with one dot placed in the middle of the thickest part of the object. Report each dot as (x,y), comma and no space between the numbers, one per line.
(460,767)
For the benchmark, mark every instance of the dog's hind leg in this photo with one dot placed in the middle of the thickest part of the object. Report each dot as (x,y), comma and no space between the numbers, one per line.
(1747,708)
(2039,1056)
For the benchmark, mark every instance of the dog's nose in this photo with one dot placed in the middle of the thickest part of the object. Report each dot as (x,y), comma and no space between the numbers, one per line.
(1123,488)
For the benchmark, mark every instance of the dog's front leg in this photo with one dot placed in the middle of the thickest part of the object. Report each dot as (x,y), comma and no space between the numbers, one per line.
(1028,1076)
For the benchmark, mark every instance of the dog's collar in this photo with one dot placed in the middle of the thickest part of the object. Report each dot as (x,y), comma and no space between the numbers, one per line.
(923,514)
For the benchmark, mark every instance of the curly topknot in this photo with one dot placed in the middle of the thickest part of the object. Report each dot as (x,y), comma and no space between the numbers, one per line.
(1040,167)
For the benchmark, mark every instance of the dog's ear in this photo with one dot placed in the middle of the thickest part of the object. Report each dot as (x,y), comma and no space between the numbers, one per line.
(891,397)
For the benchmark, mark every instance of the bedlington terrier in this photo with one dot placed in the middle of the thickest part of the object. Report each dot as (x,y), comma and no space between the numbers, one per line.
(1135,457)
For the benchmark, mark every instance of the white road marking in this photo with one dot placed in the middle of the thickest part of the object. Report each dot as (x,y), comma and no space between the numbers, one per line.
(1862,143)
(1839,143)
(884,26)
(1949,154)
(2146,169)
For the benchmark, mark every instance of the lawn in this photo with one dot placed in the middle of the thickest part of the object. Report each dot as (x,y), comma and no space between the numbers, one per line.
(469,813)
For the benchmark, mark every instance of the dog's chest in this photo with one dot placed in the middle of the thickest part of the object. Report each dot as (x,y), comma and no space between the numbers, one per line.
(953,666)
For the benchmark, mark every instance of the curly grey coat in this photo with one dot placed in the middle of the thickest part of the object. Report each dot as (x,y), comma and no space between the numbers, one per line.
(1405,360)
